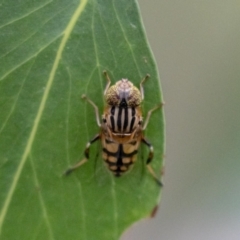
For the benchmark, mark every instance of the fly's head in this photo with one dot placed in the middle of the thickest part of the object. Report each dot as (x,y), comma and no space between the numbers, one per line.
(123,94)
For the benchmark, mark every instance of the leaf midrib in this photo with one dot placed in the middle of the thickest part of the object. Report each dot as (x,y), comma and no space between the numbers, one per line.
(32,135)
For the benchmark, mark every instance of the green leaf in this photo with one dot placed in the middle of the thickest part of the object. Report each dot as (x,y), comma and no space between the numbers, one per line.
(51,52)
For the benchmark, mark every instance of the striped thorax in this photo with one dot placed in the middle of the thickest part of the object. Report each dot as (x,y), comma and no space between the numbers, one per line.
(121,127)
(122,116)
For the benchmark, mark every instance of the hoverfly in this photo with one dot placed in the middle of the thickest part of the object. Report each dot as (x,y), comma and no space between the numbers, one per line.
(121,128)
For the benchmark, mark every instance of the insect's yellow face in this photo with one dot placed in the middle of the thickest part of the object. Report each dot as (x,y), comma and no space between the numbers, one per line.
(123,93)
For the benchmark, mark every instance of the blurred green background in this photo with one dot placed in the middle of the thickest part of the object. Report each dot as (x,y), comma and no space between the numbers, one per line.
(197,47)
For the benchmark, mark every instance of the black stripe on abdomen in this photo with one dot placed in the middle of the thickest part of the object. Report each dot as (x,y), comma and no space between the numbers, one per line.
(120,153)
(118,167)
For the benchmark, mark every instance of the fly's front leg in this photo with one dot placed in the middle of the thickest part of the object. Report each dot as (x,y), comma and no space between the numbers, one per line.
(141,85)
(95,108)
(150,157)
(86,153)
(108,81)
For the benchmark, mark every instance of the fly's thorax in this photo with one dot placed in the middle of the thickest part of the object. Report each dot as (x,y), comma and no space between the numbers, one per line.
(124,94)
(123,121)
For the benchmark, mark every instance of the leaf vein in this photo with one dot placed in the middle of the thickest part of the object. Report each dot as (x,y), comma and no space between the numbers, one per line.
(22,161)
(115,207)
(40,197)
(16,99)
(95,47)
(27,14)
(34,33)
(29,58)
(126,39)
(107,35)
(68,113)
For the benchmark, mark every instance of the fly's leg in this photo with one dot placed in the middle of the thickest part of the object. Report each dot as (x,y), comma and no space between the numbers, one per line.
(149,115)
(97,137)
(141,85)
(108,81)
(95,108)
(150,157)
(86,153)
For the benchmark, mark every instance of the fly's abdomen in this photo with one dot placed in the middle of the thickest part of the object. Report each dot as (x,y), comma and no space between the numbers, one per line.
(119,157)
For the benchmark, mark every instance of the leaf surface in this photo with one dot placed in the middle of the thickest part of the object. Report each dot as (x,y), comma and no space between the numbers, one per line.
(52,52)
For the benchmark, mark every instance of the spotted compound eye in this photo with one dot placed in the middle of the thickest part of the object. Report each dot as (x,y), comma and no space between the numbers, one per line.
(124,94)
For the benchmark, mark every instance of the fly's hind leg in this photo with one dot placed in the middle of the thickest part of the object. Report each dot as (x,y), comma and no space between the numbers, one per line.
(86,153)
(150,157)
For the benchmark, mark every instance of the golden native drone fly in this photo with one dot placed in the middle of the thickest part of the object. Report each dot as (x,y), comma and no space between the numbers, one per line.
(121,130)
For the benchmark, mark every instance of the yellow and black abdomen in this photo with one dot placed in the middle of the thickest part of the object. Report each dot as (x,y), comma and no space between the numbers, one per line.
(119,157)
